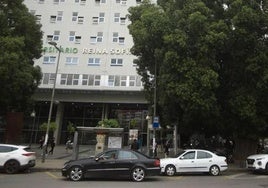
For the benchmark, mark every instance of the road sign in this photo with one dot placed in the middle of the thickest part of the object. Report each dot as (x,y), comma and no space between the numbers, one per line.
(156,122)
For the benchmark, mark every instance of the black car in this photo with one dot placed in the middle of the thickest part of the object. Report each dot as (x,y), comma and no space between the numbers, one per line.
(113,163)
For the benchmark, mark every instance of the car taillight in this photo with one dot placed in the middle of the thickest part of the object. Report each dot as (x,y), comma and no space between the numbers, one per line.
(157,162)
(28,154)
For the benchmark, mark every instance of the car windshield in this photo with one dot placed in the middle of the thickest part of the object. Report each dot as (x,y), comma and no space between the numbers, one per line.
(179,153)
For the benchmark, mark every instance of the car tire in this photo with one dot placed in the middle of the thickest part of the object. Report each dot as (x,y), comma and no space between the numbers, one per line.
(12,167)
(138,174)
(170,170)
(76,173)
(214,170)
(266,168)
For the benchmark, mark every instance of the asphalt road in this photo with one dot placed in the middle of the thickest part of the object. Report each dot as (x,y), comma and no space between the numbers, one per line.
(55,180)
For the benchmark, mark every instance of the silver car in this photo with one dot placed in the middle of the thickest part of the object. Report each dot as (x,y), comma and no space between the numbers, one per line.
(194,160)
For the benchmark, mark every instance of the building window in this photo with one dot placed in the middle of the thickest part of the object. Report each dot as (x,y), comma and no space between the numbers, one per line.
(138,1)
(78,39)
(80,19)
(116,62)
(38,19)
(98,38)
(135,81)
(91,80)
(123,81)
(41,1)
(71,36)
(75,16)
(53,19)
(116,17)
(54,37)
(48,78)
(94,62)
(115,37)
(123,2)
(60,15)
(49,60)
(71,60)
(122,20)
(58,1)
(82,2)
(69,79)
(100,1)
(101,17)
(121,40)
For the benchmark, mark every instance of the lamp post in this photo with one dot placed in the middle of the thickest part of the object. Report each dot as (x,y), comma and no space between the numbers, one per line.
(51,101)
(33,116)
(154,113)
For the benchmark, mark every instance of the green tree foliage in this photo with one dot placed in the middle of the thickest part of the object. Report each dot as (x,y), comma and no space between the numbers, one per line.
(209,59)
(52,126)
(20,44)
(108,123)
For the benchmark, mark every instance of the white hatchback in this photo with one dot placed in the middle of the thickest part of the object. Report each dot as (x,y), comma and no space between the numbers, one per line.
(14,158)
(194,160)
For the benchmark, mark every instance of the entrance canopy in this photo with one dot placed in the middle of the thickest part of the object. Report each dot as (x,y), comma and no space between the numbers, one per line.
(97,130)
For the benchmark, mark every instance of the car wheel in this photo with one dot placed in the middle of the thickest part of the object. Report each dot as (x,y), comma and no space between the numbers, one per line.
(12,167)
(76,173)
(266,168)
(138,174)
(214,170)
(170,170)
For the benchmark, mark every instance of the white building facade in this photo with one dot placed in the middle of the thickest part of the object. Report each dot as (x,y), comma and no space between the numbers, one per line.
(96,77)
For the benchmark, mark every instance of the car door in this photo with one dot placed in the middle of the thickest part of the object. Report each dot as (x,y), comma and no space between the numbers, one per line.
(104,165)
(125,161)
(203,161)
(187,162)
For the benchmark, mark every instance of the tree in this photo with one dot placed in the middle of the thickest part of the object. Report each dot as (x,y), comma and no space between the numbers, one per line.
(20,44)
(211,59)
(108,123)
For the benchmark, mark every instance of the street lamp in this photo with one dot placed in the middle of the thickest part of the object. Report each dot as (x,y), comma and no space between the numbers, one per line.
(33,116)
(51,101)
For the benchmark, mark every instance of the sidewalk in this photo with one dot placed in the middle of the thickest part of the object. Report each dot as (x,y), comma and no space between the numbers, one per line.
(56,161)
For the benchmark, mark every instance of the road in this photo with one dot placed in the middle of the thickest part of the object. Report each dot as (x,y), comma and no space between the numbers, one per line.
(55,180)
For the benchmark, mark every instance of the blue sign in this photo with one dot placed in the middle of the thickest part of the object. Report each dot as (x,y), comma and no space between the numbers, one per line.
(155,125)
(156,122)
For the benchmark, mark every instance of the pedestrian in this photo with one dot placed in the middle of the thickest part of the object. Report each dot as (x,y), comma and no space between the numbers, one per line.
(166,148)
(41,142)
(52,146)
(135,145)
(69,144)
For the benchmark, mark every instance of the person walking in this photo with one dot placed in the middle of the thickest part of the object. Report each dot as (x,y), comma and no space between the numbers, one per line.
(41,142)
(52,146)
(135,145)
(166,148)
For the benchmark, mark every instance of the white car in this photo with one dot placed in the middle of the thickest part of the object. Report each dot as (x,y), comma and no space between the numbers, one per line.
(14,158)
(257,162)
(194,160)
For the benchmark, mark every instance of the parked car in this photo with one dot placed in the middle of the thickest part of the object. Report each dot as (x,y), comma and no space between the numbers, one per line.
(258,162)
(14,158)
(113,163)
(194,160)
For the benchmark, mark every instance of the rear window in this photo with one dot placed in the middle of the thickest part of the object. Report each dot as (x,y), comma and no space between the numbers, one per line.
(4,149)
(28,149)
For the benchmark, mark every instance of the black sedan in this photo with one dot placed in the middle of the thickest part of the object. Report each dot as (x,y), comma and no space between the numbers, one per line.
(113,163)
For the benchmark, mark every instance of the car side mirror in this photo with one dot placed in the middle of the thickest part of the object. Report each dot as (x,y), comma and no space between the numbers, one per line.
(97,159)
(181,158)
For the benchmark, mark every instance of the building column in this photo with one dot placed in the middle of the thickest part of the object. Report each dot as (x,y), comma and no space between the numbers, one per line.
(59,117)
